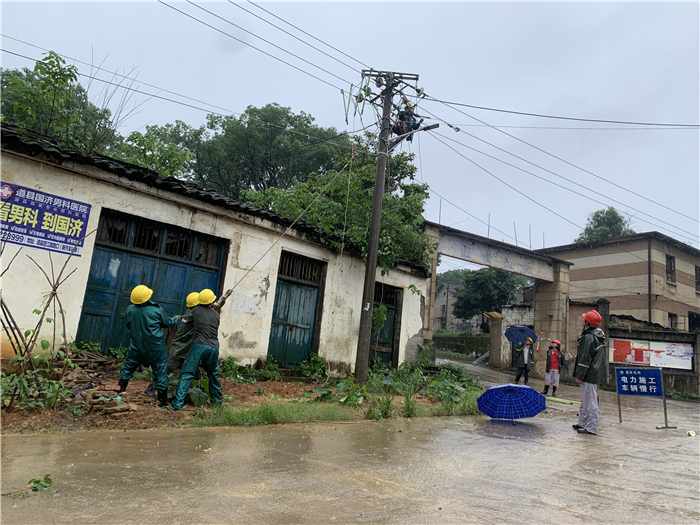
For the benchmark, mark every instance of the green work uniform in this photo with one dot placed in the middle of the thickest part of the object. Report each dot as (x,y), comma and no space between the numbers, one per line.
(147,347)
(204,353)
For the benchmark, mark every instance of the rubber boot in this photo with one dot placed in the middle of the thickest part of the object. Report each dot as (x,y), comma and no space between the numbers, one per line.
(546,390)
(554,391)
(162,398)
(517,381)
(123,383)
(149,390)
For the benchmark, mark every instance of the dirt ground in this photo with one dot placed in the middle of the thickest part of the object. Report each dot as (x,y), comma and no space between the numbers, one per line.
(147,415)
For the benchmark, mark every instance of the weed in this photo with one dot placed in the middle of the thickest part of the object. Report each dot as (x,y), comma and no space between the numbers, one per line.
(230,397)
(326,394)
(314,367)
(273,413)
(117,353)
(260,391)
(686,396)
(144,375)
(39,387)
(276,398)
(198,397)
(350,393)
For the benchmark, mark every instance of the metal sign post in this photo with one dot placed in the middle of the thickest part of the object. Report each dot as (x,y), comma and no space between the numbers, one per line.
(641,382)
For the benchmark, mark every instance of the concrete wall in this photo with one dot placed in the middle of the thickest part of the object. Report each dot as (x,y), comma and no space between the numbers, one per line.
(551,313)
(247,316)
(620,272)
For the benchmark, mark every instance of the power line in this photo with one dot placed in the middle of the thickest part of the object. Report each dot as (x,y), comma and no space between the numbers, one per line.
(574,128)
(521,193)
(472,216)
(267,41)
(309,34)
(694,239)
(247,44)
(160,97)
(509,185)
(572,164)
(294,36)
(696,126)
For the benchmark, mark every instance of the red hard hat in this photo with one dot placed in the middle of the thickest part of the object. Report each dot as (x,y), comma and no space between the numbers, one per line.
(593,318)
(557,341)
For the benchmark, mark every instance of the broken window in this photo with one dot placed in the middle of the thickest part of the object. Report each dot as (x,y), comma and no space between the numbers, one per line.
(147,237)
(178,245)
(113,231)
(671,268)
(300,268)
(207,253)
(386,295)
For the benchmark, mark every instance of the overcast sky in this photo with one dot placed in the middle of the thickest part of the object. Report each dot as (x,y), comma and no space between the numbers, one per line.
(611,61)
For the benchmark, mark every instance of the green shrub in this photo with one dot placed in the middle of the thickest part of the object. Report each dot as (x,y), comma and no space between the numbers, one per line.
(314,367)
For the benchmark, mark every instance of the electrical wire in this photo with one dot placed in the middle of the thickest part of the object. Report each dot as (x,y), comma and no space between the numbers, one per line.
(431,190)
(571,164)
(574,128)
(160,97)
(695,126)
(508,185)
(294,36)
(309,34)
(694,238)
(247,44)
(267,41)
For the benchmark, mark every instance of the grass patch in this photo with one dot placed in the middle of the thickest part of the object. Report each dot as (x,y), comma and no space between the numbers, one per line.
(275,413)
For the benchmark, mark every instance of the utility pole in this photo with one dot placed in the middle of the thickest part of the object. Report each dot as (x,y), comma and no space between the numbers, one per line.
(388,81)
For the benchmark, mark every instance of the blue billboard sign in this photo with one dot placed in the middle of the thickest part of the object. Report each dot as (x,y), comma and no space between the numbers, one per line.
(639,382)
(41,220)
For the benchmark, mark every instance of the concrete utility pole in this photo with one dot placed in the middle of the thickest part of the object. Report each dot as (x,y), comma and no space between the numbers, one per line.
(389,81)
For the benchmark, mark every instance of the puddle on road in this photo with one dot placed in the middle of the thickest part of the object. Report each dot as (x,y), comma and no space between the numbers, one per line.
(435,470)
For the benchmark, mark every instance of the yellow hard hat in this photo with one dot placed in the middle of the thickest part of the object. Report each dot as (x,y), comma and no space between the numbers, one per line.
(529,339)
(193,299)
(141,294)
(206,296)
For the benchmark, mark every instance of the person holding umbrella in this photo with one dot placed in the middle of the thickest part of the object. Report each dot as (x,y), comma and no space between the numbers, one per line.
(590,371)
(526,359)
(555,361)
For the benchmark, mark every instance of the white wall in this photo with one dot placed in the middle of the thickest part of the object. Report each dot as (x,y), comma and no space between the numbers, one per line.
(251,265)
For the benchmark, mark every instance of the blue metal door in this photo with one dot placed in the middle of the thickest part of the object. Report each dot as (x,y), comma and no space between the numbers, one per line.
(116,270)
(295,313)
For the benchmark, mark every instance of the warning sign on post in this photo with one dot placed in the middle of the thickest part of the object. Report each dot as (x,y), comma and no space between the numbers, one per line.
(41,220)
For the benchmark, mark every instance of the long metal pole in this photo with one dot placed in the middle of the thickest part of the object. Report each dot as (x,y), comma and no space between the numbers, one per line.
(365,335)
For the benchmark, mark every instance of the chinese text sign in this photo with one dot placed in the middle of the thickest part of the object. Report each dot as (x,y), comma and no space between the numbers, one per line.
(639,381)
(41,220)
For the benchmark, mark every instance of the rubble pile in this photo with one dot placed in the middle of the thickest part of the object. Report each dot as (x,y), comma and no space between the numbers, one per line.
(89,392)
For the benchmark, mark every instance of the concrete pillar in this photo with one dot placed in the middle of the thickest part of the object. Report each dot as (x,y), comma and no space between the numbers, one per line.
(551,309)
(428,319)
(495,351)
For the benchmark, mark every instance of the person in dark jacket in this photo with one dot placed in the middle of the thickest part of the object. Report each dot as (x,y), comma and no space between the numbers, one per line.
(204,352)
(145,320)
(182,342)
(590,371)
(555,362)
(526,360)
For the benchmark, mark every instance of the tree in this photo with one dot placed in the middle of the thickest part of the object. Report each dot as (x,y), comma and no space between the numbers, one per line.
(50,101)
(268,147)
(149,151)
(352,181)
(449,277)
(485,290)
(604,224)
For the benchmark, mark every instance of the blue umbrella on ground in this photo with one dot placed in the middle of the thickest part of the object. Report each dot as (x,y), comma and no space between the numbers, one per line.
(517,334)
(511,402)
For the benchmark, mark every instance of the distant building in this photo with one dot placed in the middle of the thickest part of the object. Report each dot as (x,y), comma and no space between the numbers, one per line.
(649,276)
(445,318)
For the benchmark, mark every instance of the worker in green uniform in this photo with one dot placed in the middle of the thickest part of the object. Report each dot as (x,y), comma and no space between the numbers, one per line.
(145,320)
(204,352)
(181,344)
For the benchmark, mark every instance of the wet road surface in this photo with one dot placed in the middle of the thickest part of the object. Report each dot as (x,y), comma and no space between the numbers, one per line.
(433,470)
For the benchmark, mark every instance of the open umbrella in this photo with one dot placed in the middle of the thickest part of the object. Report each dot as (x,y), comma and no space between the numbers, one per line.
(511,402)
(517,334)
